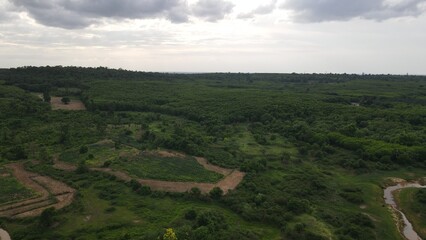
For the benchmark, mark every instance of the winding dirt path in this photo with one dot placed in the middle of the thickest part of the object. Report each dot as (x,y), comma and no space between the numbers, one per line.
(49,193)
(230,182)
(232,178)
(4,235)
(203,162)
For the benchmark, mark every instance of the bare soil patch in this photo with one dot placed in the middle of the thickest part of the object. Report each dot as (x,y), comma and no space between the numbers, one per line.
(213,168)
(165,154)
(64,166)
(106,143)
(231,181)
(50,193)
(74,104)
(120,175)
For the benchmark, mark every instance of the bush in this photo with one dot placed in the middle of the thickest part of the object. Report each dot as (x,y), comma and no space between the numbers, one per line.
(213,220)
(47,217)
(66,100)
(196,192)
(145,191)
(135,185)
(107,164)
(191,214)
(421,196)
(83,149)
(216,193)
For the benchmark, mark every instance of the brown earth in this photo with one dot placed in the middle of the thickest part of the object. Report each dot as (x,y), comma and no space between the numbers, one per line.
(63,165)
(105,143)
(165,153)
(49,193)
(74,105)
(213,168)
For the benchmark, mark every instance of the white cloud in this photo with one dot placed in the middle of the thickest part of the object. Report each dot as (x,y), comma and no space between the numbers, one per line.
(332,38)
(260,10)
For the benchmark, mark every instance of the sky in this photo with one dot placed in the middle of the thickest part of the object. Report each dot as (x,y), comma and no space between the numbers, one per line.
(304,36)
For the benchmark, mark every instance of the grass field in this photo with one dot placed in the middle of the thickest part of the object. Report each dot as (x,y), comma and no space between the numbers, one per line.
(97,154)
(169,169)
(315,165)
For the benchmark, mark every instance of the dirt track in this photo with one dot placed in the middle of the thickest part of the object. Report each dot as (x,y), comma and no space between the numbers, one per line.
(231,180)
(63,165)
(49,193)
(213,168)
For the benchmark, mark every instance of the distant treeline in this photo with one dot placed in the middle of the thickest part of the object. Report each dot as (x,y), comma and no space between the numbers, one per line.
(40,78)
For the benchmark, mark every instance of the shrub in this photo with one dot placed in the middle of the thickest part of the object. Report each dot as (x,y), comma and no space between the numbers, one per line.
(216,193)
(83,149)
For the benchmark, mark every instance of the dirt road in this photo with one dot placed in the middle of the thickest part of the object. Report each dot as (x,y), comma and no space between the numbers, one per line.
(232,178)
(4,235)
(49,193)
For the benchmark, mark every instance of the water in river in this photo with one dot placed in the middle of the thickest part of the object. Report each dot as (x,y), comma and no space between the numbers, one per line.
(408,232)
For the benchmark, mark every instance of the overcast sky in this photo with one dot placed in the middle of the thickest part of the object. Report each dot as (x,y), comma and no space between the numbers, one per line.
(352,36)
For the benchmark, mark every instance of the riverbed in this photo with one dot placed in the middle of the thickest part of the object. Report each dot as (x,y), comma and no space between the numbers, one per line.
(408,230)
(4,235)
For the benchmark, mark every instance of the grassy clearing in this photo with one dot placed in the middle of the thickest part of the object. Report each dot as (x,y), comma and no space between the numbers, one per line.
(97,154)
(169,169)
(10,189)
(414,209)
(245,141)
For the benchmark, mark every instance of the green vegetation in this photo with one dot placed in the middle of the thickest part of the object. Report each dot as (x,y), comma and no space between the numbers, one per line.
(413,202)
(10,189)
(316,150)
(169,169)
(95,155)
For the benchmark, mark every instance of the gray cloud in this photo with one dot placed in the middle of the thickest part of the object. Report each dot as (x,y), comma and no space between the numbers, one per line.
(342,10)
(72,14)
(5,12)
(212,10)
(261,10)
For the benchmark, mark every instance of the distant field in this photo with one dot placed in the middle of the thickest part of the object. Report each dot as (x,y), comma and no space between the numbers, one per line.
(73,105)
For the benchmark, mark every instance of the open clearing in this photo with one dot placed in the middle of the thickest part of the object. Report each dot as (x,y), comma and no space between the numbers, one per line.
(230,181)
(73,105)
(57,104)
(176,169)
(50,193)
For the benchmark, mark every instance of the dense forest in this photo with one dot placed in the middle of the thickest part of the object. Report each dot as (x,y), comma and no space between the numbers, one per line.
(316,150)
